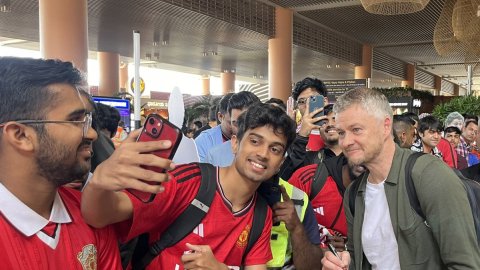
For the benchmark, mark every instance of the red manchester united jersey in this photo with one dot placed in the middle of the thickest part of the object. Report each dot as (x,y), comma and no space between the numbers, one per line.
(328,202)
(226,232)
(70,244)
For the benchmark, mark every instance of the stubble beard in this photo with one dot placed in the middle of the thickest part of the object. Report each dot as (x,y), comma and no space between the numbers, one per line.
(55,163)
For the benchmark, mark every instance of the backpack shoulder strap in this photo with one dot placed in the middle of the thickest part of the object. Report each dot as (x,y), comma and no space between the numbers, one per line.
(319,179)
(259,216)
(187,220)
(411,191)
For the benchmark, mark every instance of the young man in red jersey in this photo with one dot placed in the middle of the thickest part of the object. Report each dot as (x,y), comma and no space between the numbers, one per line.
(328,202)
(219,241)
(46,142)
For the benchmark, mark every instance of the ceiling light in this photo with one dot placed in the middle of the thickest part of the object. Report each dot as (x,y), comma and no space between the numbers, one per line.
(5,6)
(329,66)
(337,66)
(165,42)
(155,44)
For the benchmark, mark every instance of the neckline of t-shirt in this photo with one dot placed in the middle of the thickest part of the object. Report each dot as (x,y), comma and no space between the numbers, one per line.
(228,203)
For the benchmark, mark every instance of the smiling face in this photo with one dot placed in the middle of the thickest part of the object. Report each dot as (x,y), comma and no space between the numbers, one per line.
(260,153)
(361,135)
(63,155)
(328,131)
(430,137)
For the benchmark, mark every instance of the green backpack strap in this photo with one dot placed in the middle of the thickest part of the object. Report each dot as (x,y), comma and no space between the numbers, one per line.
(187,220)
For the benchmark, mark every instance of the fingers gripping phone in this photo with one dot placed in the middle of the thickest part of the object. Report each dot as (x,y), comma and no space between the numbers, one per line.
(316,102)
(157,128)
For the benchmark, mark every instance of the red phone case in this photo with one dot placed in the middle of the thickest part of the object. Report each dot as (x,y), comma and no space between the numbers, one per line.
(157,128)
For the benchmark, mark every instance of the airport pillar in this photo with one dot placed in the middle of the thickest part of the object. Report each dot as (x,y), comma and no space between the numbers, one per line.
(365,70)
(63,31)
(410,80)
(280,55)
(228,82)
(109,71)
(206,85)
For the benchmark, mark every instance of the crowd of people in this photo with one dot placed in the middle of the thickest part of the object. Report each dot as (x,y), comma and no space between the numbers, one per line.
(328,192)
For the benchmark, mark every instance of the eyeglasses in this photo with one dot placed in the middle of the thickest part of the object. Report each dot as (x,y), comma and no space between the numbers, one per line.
(301,101)
(87,123)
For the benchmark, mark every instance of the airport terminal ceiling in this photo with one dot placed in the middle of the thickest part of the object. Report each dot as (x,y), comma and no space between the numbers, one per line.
(207,37)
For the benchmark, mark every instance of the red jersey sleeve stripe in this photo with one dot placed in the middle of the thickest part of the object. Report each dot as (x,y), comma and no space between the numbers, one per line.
(181,169)
(307,175)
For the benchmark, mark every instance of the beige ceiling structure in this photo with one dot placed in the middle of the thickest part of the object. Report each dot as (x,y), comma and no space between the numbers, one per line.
(207,37)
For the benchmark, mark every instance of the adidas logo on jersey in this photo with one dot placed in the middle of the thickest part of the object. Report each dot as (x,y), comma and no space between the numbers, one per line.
(199,230)
(319,211)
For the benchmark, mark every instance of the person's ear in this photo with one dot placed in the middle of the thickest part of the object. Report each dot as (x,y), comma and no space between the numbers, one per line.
(325,101)
(234,142)
(387,125)
(403,137)
(220,117)
(19,136)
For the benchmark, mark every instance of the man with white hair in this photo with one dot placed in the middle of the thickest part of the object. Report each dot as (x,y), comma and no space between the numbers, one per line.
(384,232)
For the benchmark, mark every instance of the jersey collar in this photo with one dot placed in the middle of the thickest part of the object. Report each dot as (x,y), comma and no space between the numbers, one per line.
(24,218)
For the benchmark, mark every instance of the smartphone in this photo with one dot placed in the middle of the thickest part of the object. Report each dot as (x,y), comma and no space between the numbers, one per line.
(270,191)
(157,128)
(316,102)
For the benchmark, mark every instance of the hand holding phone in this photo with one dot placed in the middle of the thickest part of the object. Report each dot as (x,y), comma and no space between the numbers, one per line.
(316,102)
(157,128)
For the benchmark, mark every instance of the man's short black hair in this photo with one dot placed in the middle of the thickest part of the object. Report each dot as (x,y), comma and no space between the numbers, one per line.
(412,116)
(262,114)
(24,85)
(223,104)
(403,119)
(468,117)
(328,109)
(429,122)
(453,129)
(212,113)
(308,82)
(278,102)
(198,124)
(106,117)
(469,121)
(242,100)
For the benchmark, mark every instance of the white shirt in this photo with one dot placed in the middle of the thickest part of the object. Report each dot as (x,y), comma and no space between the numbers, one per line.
(378,239)
(29,222)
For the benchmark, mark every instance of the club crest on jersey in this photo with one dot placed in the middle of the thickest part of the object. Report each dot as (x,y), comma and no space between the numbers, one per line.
(88,257)
(243,238)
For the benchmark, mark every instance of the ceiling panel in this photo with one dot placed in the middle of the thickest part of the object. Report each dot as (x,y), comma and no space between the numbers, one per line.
(380,30)
(209,36)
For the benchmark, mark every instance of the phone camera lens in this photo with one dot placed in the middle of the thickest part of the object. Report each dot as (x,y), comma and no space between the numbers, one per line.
(154,131)
(151,121)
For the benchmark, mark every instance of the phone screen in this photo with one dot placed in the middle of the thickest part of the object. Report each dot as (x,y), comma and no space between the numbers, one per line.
(157,128)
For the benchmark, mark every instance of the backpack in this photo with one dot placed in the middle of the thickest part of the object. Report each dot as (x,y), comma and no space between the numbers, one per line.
(319,180)
(184,224)
(471,187)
